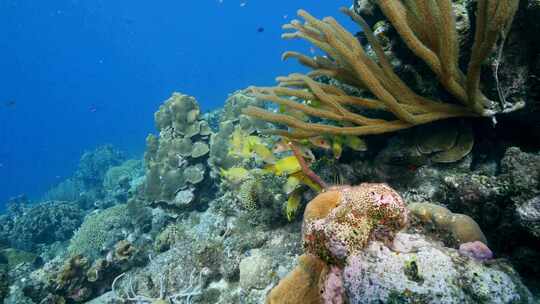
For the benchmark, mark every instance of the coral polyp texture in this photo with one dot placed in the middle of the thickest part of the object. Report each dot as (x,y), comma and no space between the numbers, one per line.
(337,224)
(428,30)
(362,213)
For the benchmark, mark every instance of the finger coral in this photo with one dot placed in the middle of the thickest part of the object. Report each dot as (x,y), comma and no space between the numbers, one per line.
(426,27)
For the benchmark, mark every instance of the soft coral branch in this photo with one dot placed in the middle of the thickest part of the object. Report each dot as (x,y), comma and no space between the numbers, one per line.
(305,167)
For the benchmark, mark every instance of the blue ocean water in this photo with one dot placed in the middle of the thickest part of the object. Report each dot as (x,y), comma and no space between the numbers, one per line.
(78,74)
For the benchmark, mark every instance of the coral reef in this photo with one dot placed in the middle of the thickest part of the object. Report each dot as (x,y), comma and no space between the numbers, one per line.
(253,270)
(77,280)
(210,214)
(337,224)
(262,198)
(176,160)
(94,165)
(86,185)
(43,224)
(420,271)
(509,75)
(352,234)
(68,190)
(4,282)
(99,231)
(232,119)
(120,181)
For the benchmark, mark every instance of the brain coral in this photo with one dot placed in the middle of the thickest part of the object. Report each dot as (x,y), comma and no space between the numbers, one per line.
(98,231)
(462,227)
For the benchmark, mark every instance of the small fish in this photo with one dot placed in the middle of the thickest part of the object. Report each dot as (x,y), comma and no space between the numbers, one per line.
(304,179)
(236,140)
(292,183)
(235,174)
(285,166)
(337,148)
(281,146)
(260,29)
(355,143)
(320,142)
(284,146)
(412,167)
(264,153)
(307,153)
(93,109)
(10,103)
(242,4)
(293,203)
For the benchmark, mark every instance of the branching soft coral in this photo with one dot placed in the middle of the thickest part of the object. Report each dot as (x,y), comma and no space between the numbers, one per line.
(428,29)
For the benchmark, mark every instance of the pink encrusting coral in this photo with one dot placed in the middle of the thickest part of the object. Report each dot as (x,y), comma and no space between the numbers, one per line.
(332,289)
(476,250)
(365,212)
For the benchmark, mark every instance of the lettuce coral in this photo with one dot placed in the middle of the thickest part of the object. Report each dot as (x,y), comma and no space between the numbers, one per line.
(177,158)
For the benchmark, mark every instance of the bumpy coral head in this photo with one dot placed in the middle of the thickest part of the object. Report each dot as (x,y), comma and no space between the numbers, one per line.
(363,213)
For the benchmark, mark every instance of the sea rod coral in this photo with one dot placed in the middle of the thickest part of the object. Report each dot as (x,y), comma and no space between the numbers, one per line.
(427,28)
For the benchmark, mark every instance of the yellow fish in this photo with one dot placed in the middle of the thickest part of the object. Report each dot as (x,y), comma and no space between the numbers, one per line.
(355,143)
(293,203)
(291,184)
(253,140)
(285,166)
(337,148)
(237,143)
(307,181)
(263,152)
(234,174)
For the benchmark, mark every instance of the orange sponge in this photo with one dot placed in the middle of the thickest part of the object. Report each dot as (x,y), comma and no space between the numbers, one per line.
(322,204)
(300,286)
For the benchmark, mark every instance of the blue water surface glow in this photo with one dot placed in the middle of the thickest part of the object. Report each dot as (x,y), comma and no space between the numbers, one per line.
(77,74)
